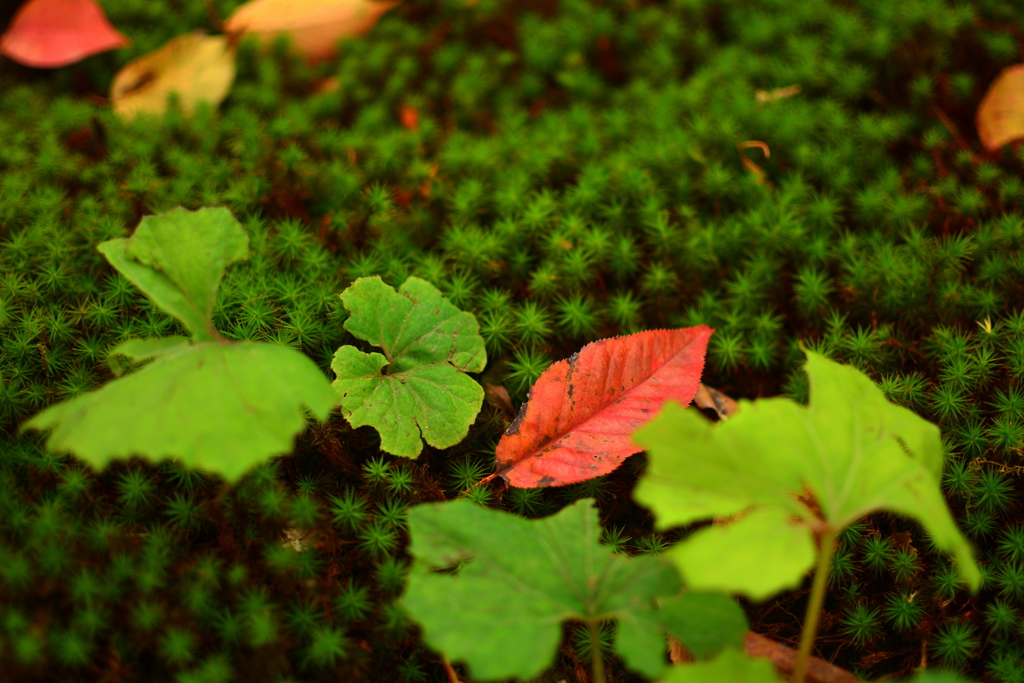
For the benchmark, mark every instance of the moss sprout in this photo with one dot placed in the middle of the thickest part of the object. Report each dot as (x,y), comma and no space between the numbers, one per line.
(991,491)
(376,471)
(903,611)
(349,511)
(955,643)
(525,502)
(1011,544)
(861,624)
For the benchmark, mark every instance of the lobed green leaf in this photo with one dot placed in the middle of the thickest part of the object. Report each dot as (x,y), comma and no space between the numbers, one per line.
(418,389)
(520,579)
(850,450)
(210,403)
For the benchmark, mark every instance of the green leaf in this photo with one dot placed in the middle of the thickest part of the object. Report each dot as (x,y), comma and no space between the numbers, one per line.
(212,404)
(418,387)
(705,623)
(732,666)
(160,258)
(783,550)
(855,452)
(522,578)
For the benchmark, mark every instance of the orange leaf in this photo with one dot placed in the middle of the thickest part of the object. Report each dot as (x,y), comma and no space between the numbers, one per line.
(577,422)
(47,34)
(196,66)
(315,26)
(1000,117)
(709,397)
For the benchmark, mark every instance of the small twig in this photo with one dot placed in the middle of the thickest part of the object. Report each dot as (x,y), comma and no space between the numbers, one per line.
(486,480)
(975,465)
(951,127)
(452,676)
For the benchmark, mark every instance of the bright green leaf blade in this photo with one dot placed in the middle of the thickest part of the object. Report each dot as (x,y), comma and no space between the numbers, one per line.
(731,666)
(859,465)
(501,613)
(850,448)
(851,420)
(722,468)
(139,350)
(909,490)
(417,391)
(178,259)
(218,407)
(705,623)
(718,558)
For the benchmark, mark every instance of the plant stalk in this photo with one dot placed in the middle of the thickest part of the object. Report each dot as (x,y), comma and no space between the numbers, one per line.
(214,18)
(803,655)
(596,659)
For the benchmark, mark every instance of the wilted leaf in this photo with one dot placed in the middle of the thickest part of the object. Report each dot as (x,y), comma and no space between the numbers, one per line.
(212,404)
(576,423)
(315,26)
(197,67)
(1000,117)
(47,34)
(418,388)
(502,612)
(498,397)
(853,450)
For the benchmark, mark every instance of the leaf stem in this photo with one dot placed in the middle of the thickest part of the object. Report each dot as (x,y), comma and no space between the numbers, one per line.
(828,540)
(213,16)
(596,659)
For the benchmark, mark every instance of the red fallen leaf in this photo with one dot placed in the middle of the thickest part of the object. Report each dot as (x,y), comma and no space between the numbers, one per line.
(577,422)
(47,34)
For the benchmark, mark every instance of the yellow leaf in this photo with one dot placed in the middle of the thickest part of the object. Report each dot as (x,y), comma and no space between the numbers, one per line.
(315,26)
(198,67)
(1001,113)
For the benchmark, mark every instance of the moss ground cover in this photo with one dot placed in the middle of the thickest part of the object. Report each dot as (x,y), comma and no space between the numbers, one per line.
(572,171)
